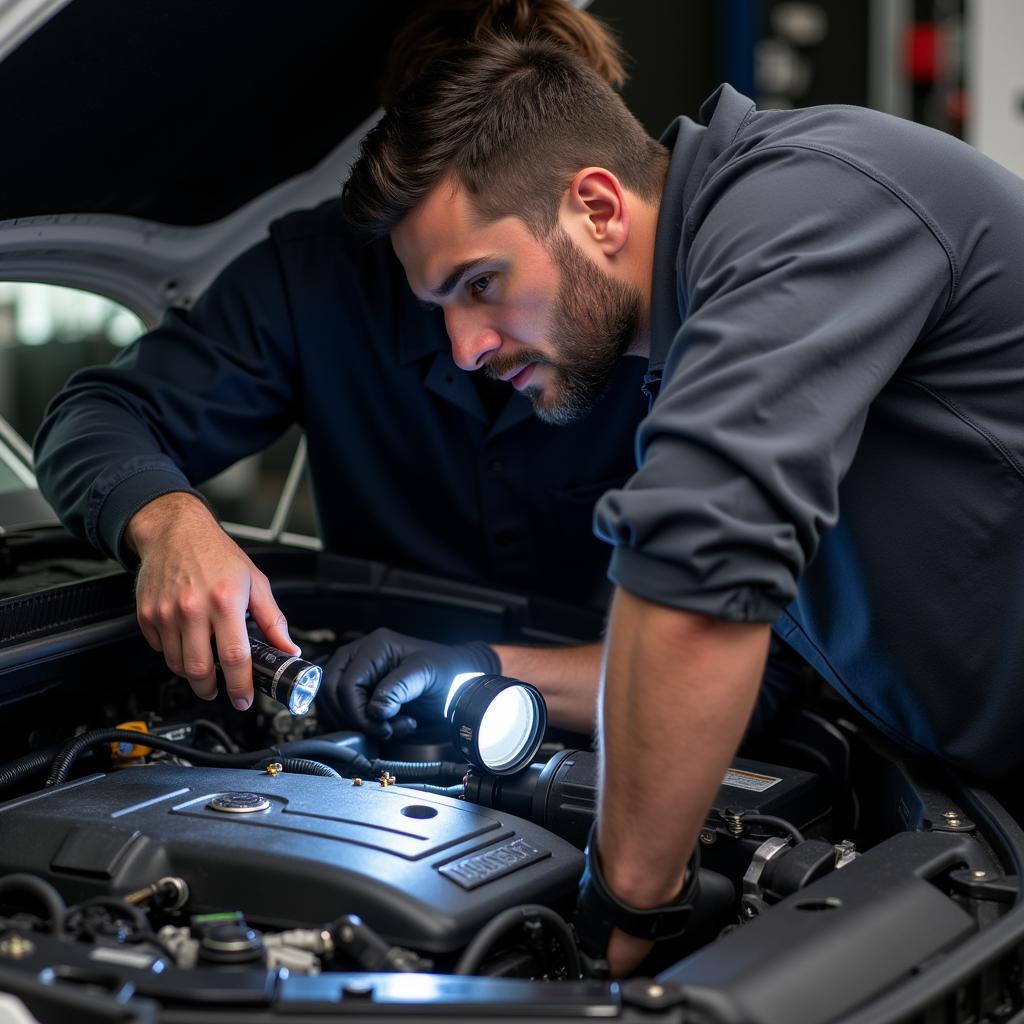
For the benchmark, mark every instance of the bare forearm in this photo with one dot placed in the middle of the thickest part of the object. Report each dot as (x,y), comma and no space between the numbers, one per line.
(567,676)
(678,689)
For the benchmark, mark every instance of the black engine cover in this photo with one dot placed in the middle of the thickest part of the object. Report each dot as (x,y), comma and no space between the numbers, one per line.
(425,871)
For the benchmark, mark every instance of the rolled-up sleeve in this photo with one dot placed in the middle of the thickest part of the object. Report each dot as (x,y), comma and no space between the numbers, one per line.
(808,283)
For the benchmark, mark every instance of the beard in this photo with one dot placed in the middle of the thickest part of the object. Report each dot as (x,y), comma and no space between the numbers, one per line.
(594,321)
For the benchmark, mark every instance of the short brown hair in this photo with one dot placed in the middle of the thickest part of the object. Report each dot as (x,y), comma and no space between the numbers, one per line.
(512,122)
(444,29)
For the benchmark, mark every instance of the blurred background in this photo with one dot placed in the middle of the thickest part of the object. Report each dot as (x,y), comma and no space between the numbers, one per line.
(953,64)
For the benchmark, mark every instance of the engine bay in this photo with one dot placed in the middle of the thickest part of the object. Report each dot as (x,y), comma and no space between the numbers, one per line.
(194,857)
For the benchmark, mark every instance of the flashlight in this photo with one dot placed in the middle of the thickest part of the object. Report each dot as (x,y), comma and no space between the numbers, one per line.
(497,723)
(284,677)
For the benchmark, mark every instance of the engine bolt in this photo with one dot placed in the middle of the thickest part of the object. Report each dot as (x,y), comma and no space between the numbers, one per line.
(979,874)
(708,836)
(950,815)
(733,821)
(655,991)
(274,768)
(15,947)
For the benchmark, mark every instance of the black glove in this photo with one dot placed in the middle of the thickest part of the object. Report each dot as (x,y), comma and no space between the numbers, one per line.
(599,910)
(367,682)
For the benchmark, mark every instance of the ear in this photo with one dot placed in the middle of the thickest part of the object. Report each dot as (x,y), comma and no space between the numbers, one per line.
(598,201)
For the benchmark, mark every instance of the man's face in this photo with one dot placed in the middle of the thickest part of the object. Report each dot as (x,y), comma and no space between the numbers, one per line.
(540,314)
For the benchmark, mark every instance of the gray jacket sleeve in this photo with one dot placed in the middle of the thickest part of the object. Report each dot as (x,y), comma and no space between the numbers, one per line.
(205,388)
(808,283)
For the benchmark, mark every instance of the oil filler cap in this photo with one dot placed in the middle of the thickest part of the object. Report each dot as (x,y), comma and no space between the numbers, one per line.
(239,803)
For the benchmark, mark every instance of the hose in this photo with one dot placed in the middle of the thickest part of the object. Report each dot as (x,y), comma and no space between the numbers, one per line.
(326,752)
(426,771)
(422,771)
(218,733)
(477,950)
(771,821)
(24,767)
(426,787)
(71,751)
(44,892)
(300,765)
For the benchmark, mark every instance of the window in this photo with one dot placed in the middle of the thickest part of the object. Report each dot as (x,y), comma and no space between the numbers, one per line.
(46,334)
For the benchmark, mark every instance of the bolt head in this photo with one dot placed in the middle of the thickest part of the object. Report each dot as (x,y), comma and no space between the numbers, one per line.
(14,947)
(979,874)
(655,991)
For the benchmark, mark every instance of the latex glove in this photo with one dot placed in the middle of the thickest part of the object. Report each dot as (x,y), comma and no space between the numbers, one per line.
(367,683)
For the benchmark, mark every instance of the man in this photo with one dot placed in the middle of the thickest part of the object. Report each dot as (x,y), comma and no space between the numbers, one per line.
(412,463)
(830,306)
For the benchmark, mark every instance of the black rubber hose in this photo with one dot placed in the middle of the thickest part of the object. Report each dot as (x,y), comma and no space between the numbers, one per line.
(422,771)
(43,892)
(300,765)
(71,751)
(427,787)
(481,944)
(771,821)
(334,754)
(218,733)
(24,768)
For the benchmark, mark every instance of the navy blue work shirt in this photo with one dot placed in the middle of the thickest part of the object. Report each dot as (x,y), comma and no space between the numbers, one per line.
(837,443)
(317,326)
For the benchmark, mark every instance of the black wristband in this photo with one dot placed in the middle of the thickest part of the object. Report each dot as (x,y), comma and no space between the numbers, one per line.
(599,910)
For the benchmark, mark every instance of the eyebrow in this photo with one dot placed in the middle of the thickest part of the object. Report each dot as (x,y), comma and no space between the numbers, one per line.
(447,286)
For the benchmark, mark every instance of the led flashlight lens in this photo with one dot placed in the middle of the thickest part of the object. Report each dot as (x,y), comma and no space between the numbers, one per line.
(507,728)
(304,690)
(497,723)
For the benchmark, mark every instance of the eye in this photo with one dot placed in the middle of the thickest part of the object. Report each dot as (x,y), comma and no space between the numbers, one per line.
(479,285)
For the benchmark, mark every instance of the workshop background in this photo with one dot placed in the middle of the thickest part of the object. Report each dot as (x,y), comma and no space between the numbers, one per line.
(951,64)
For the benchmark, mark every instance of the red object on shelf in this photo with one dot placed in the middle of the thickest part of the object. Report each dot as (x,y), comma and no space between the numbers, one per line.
(924,52)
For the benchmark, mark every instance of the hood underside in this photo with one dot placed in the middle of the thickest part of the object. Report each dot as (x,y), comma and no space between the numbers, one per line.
(182,111)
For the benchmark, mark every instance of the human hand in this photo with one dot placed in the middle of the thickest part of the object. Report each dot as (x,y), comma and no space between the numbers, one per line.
(367,682)
(195,582)
(625,953)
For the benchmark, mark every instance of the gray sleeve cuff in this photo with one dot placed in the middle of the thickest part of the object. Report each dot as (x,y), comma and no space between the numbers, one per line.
(665,583)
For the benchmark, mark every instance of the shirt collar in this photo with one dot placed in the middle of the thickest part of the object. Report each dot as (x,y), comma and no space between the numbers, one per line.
(693,146)
(421,333)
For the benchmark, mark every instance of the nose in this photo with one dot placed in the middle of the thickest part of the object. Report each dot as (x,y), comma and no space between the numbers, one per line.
(472,341)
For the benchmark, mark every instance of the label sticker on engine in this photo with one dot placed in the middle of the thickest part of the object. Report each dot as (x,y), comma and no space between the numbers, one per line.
(122,957)
(470,872)
(739,779)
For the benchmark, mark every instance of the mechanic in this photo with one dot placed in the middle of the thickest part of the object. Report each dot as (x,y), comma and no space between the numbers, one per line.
(413,463)
(829,302)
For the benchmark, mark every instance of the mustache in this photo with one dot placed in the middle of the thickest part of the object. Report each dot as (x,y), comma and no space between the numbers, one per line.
(502,365)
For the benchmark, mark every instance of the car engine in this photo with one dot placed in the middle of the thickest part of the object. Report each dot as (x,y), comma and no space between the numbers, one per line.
(204,856)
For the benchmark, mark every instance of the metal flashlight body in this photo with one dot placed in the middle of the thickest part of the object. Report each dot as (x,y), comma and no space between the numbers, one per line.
(284,677)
